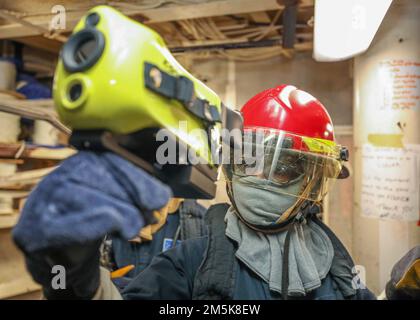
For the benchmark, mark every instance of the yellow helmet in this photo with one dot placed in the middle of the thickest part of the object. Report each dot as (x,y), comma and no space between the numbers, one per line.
(117,79)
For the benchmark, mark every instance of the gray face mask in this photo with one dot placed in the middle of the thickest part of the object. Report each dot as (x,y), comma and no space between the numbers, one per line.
(262,207)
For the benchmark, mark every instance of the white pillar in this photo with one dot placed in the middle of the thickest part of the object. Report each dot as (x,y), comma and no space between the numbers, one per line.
(387,116)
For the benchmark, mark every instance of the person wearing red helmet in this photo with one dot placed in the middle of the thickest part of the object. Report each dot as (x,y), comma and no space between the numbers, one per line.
(299,156)
(276,198)
(269,243)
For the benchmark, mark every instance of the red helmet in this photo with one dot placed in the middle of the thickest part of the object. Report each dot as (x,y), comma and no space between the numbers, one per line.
(289,109)
(293,149)
(288,147)
(297,113)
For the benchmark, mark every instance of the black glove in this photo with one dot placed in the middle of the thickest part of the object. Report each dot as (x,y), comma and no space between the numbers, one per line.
(76,275)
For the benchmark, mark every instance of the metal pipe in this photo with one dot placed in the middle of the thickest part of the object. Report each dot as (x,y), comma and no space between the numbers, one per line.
(289,24)
(232,46)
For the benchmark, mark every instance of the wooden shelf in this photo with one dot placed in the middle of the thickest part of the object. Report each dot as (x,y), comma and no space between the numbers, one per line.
(24,179)
(8,221)
(13,150)
(18,287)
(13,194)
(42,109)
(14,279)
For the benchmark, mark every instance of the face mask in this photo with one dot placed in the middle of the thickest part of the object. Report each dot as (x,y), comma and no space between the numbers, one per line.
(262,207)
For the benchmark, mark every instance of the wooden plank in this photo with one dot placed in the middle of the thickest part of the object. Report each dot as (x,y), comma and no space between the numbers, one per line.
(43,43)
(18,286)
(13,150)
(12,161)
(37,28)
(24,178)
(8,221)
(260,17)
(158,15)
(33,295)
(52,154)
(42,109)
(209,9)
(14,279)
(13,194)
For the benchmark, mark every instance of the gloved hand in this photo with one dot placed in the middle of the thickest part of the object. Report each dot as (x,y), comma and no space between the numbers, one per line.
(80,279)
(405,277)
(68,214)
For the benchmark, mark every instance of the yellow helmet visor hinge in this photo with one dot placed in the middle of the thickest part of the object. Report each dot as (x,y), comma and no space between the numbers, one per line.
(180,88)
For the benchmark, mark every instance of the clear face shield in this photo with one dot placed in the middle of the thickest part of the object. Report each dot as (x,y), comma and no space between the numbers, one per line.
(286,163)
